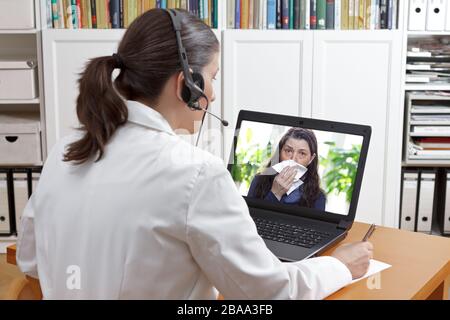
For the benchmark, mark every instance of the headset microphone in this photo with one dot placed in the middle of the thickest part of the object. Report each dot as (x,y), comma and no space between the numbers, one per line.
(196,106)
(223,121)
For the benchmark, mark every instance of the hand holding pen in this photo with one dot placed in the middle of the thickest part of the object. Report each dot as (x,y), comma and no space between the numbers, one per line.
(356,256)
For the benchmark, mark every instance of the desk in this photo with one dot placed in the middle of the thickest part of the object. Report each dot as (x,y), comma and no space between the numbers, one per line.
(420,265)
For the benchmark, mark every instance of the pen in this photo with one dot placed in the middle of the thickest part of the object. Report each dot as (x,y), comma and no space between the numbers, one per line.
(369,232)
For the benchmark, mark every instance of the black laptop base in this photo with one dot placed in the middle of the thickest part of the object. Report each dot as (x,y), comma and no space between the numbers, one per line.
(294,238)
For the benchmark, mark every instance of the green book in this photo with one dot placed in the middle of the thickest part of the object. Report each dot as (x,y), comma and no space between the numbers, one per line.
(55,17)
(216,13)
(291,14)
(321,14)
(302,14)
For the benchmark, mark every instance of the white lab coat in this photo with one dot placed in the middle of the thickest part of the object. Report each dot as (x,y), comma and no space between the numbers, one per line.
(155,218)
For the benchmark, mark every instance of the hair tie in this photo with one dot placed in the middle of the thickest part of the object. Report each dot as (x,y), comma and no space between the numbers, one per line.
(118,61)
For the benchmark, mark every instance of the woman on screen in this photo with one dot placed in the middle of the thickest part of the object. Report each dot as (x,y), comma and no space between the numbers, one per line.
(299,145)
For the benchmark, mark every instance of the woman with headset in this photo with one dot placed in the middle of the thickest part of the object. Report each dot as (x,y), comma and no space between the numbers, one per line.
(119,214)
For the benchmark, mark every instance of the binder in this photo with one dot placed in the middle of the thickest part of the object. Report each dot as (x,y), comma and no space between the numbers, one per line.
(410,184)
(21,194)
(446,215)
(34,181)
(5,227)
(436,15)
(426,201)
(417,15)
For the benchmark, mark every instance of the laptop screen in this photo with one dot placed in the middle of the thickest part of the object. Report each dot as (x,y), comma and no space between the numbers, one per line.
(295,166)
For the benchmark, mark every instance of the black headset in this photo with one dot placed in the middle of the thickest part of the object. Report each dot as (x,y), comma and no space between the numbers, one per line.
(194,84)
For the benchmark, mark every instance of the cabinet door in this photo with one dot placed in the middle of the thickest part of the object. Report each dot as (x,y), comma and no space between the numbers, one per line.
(267,71)
(65,54)
(357,77)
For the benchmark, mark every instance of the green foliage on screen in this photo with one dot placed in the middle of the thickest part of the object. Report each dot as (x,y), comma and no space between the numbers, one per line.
(340,169)
(247,161)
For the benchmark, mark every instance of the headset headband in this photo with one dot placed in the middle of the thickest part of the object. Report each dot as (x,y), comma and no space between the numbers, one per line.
(196,92)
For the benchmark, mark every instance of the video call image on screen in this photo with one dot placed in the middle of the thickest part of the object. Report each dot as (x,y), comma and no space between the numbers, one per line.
(296,166)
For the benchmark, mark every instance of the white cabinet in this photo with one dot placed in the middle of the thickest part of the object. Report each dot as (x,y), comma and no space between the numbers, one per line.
(267,71)
(356,79)
(347,76)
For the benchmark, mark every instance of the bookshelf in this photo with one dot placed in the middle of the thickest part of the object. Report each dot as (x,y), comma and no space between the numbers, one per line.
(424,106)
(416,107)
(412,38)
(298,15)
(22,44)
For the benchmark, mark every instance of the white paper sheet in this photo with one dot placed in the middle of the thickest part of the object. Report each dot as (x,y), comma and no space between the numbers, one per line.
(374,267)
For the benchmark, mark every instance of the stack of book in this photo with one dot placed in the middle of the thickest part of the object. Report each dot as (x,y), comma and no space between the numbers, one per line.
(114,14)
(312,14)
(431,148)
(428,62)
(430,126)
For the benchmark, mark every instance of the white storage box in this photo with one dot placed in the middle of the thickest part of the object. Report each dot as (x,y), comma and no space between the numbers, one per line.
(18,79)
(17,14)
(20,139)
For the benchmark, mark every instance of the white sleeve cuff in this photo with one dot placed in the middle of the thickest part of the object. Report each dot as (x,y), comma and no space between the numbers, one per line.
(330,273)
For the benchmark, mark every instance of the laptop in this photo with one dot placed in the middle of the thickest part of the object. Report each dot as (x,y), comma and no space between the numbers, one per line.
(300,177)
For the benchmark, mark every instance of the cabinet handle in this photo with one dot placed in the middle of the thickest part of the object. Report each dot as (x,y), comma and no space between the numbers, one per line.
(11,139)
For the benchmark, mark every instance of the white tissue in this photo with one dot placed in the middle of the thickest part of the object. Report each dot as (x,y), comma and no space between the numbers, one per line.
(301,170)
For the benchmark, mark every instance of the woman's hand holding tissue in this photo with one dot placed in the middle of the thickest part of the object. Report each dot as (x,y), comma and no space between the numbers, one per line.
(283,181)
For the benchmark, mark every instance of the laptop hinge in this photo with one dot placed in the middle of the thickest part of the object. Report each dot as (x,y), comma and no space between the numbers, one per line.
(344,224)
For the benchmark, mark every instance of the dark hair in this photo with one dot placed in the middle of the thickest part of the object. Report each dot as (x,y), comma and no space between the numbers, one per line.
(148,57)
(311,185)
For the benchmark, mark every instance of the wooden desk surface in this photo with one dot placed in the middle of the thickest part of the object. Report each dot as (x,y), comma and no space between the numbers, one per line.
(11,254)
(420,265)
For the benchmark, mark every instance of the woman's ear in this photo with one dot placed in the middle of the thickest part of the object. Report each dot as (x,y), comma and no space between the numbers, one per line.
(179,85)
(312,159)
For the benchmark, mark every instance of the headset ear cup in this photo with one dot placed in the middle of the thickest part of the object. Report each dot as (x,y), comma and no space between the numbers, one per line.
(185,93)
(198,80)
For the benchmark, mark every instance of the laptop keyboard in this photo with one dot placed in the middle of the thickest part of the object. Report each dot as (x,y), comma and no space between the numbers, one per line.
(288,233)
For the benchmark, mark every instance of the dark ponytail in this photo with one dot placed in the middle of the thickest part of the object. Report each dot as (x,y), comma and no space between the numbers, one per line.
(100,110)
(147,57)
